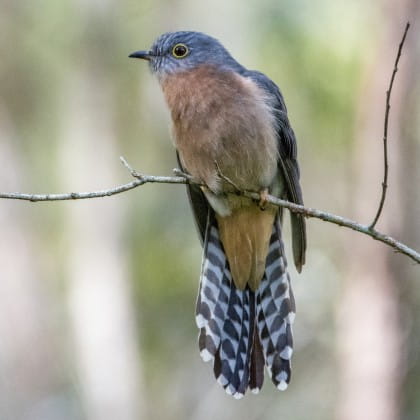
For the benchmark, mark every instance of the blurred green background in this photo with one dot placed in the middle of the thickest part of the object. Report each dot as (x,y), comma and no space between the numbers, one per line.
(97,296)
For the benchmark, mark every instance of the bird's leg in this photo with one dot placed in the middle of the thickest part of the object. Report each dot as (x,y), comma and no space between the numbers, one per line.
(263,198)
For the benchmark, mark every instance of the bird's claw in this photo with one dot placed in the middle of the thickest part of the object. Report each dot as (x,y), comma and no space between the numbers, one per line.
(263,199)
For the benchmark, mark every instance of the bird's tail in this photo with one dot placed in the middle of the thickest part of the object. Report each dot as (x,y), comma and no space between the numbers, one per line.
(241,330)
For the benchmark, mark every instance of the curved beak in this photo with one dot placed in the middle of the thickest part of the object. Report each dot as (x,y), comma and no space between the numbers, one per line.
(144,55)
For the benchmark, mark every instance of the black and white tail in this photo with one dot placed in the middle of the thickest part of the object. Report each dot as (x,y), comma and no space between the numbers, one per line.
(241,330)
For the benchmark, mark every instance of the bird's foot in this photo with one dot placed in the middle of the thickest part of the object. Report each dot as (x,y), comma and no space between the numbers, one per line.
(263,199)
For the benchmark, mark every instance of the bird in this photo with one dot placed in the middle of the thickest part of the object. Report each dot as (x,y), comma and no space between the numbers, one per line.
(232,133)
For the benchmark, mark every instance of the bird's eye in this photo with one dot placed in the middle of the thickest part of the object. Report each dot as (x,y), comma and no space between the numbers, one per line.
(179,50)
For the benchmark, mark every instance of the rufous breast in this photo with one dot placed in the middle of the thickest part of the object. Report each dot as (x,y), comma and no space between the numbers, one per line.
(222,117)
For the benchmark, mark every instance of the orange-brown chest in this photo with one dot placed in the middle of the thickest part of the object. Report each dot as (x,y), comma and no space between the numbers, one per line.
(222,117)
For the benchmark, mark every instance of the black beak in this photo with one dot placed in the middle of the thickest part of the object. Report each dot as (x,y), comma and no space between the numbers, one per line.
(145,55)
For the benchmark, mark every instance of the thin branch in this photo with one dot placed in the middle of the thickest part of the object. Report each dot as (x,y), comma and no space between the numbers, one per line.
(143,179)
(342,221)
(385,139)
(185,179)
(188,177)
(225,178)
(132,171)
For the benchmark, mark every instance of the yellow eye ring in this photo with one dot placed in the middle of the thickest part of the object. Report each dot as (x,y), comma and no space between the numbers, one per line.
(180,51)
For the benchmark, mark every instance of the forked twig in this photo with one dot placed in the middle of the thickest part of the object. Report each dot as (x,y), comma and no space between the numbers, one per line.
(225,178)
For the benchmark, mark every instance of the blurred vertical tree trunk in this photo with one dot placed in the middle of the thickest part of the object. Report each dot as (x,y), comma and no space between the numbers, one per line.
(105,334)
(371,355)
(408,151)
(106,351)
(100,307)
(28,343)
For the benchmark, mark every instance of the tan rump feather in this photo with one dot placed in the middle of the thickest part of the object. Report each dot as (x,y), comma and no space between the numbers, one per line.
(245,236)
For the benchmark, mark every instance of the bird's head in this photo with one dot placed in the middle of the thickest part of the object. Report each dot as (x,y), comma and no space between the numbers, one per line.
(185,50)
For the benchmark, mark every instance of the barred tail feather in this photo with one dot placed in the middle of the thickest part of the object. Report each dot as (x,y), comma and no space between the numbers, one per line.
(213,295)
(249,335)
(224,318)
(242,329)
(256,378)
(276,312)
(236,346)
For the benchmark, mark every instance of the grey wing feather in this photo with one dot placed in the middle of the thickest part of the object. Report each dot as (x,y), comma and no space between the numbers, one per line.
(287,164)
(199,206)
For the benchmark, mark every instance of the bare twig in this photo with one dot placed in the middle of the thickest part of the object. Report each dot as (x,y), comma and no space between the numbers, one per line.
(95,194)
(188,177)
(185,179)
(225,178)
(385,139)
(133,172)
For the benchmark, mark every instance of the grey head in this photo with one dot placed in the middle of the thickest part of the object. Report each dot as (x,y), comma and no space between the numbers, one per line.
(185,50)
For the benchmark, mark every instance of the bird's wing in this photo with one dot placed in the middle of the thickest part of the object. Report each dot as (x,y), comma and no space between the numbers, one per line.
(287,164)
(199,205)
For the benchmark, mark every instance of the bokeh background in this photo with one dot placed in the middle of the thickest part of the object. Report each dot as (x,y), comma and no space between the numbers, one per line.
(97,296)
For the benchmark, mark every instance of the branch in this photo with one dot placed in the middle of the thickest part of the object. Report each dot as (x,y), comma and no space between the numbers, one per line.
(94,194)
(183,178)
(385,139)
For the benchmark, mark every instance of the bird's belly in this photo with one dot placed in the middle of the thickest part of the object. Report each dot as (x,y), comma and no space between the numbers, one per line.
(247,164)
(227,168)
